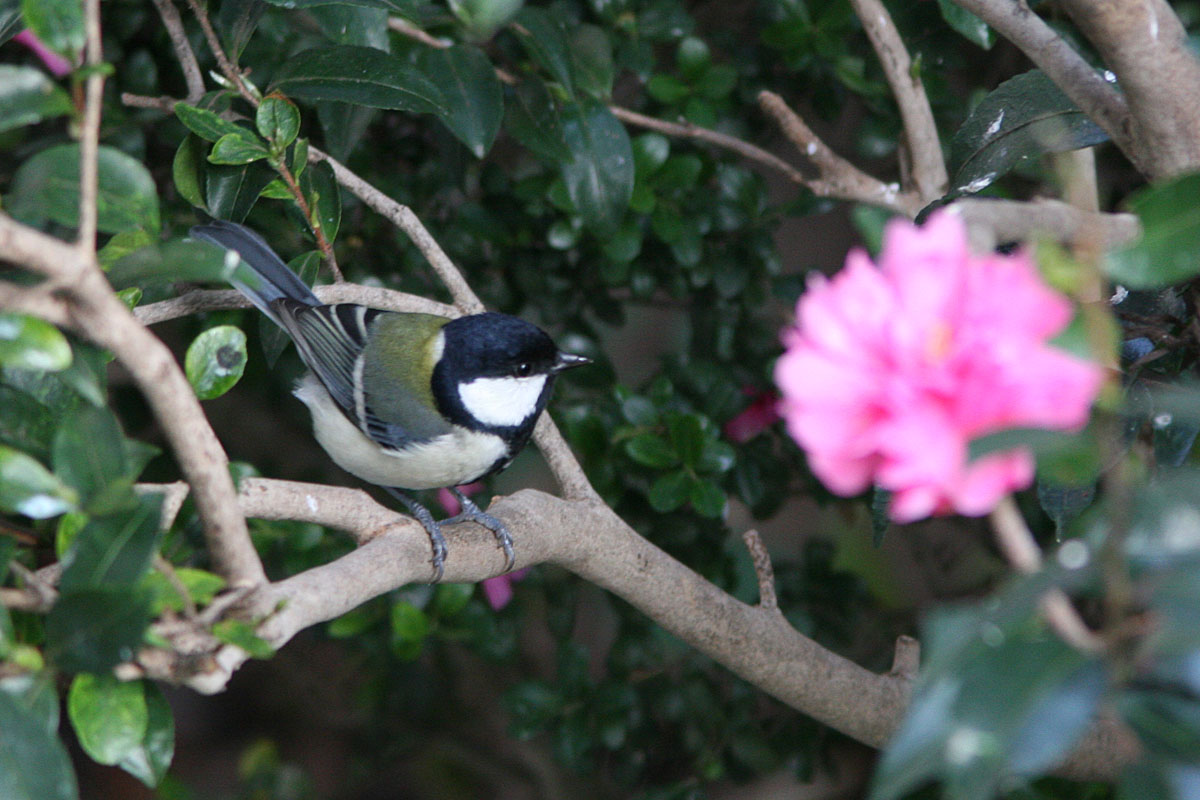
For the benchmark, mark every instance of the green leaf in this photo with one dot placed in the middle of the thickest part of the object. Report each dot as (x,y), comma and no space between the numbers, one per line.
(535,120)
(1025,116)
(687,437)
(215,361)
(670,491)
(237,148)
(94,629)
(201,587)
(278,121)
(149,761)
(482,18)
(109,716)
(233,190)
(208,125)
(236,21)
(362,75)
(652,450)
(34,765)
(393,5)
(599,175)
(410,626)
(47,187)
(240,633)
(650,151)
(592,55)
(57,23)
(967,24)
(115,549)
(451,598)
(29,489)
(472,94)
(28,96)
(171,261)
(123,244)
(324,196)
(1168,251)
(90,454)
(31,343)
(707,499)
(667,89)
(547,39)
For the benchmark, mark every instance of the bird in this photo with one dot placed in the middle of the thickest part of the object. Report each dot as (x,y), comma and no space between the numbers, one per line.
(405,401)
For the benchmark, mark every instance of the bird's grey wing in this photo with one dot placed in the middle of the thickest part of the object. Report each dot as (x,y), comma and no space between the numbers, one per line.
(332,341)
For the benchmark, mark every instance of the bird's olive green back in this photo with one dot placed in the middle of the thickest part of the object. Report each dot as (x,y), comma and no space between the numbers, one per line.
(400,354)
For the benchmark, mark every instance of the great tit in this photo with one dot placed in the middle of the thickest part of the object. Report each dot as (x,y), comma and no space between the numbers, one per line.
(405,400)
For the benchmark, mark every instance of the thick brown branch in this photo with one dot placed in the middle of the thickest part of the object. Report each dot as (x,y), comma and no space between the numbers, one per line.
(920,131)
(1145,44)
(589,539)
(992,221)
(1017,22)
(199,301)
(105,320)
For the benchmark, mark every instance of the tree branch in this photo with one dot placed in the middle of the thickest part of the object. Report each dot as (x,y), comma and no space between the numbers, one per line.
(992,221)
(183,49)
(1018,23)
(89,133)
(838,178)
(589,539)
(1145,44)
(920,131)
(105,320)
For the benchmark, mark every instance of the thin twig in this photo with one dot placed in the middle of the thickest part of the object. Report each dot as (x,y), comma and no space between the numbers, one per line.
(228,69)
(1019,547)
(838,177)
(183,49)
(763,569)
(89,133)
(920,130)
(406,28)
(403,218)
(168,571)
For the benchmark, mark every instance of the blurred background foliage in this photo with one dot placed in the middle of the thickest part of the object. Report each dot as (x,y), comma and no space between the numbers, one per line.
(674,265)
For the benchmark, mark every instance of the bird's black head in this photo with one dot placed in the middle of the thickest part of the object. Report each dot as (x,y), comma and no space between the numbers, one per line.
(495,374)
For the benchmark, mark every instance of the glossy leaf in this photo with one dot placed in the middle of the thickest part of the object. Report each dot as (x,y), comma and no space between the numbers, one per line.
(231,191)
(546,37)
(278,121)
(1025,116)
(535,120)
(57,23)
(109,716)
(94,629)
(242,147)
(1168,251)
(149,761)
(29,489)
(31,343)
(593,61)
(707,499)
(670,491)
(362,75)
(215,361)
(170,261)
(28,96)
(236,21)
(206,124)
(471,93)
(599,175)
(324,197)
(114,550)
(968,24)
(47,187)
(90,454)
(187,169)
(34,765)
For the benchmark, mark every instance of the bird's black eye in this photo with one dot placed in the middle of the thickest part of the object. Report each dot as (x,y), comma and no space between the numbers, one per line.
(524,369)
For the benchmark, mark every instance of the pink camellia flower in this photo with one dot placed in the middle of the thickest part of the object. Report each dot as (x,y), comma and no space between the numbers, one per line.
(890,372)
(762,413)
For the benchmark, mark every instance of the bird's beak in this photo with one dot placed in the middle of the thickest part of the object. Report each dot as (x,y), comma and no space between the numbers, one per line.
(568,360)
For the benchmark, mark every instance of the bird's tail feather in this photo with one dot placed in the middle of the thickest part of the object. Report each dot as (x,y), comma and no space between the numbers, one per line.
(261,276)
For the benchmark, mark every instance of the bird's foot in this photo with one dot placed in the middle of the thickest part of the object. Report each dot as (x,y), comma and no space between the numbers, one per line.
(473,513)
(421,514)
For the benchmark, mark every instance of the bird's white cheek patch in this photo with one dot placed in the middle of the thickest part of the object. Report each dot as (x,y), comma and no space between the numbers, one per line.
(502,401)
